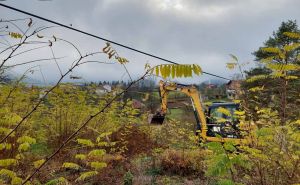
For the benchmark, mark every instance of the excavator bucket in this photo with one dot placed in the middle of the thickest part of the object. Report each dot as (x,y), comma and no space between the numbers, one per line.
(156,119)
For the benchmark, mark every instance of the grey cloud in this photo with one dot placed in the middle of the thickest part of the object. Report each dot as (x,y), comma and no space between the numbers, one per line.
(190,31)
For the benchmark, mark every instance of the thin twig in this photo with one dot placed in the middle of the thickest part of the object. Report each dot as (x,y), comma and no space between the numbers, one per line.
(42,75)
(32,49)
(82,126)
(55,61)
(16,85)
(32,61)
(44,96)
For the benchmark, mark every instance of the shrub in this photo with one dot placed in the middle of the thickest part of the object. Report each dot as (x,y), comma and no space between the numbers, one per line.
(128,178)
(182,162)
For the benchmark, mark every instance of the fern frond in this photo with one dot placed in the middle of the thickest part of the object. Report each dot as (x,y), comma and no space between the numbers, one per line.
(85,175)
(85,142)
(7,173)
(267,60)
(4,130)
(8,162)
(80,156)
(291,77)
(26,139)
(176,70)
(255,89)
(239,113)
(23,147)
(291,47)
(271,50)
(16,181)
(71,166)
(283,67)
(98,165)
(97,153)
(292,35)
(6,146)
(256,78)
(38,163)
(58,181)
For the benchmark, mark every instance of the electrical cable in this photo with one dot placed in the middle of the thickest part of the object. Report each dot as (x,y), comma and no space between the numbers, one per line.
(101,38)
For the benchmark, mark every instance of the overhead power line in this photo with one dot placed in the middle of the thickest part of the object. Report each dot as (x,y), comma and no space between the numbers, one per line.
(101,38)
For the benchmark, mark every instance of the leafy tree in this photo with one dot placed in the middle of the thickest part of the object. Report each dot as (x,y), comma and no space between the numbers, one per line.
(278,61)
(278,40)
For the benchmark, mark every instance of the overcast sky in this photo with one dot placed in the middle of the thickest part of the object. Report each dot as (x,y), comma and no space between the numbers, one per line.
(186,31)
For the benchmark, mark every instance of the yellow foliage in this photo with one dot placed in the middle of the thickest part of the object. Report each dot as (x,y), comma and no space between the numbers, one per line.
(267,60)
(283,67)
(97,153)
(7,173)
(85,175)
(6,146)
(292,35)
(15,35)
(255,89)
(231,65)
(224,111)
(271,50)
(4,130)
(16,181)
(177,70)
(98,165)
(239,113)
(237,101)
(8,162)
(23,147)
(71,166)
(80,156)
(291,77)
(256,78)
(26,139)
(85,142)
(122,60)
(38,163)
(58,181)
(291,47)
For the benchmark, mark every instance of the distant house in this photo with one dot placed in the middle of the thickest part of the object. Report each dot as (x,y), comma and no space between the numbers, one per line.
(103,89)
(233,89)
(210,86)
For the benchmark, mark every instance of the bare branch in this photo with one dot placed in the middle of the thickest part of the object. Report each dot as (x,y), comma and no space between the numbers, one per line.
(95,61)
(14,20)
(42,75)
(32,49)
(55,61)
(32,61)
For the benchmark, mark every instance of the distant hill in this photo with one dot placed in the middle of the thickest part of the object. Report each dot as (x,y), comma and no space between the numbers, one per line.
(9,76)
(215,81)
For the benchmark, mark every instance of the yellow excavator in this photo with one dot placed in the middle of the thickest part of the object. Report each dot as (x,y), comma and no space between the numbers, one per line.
(207,127)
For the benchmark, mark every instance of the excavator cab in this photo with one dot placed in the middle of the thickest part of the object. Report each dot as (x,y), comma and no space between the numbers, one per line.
(227,128)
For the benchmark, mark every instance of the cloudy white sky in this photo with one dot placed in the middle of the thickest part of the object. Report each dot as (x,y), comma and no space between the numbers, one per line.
(186,31)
